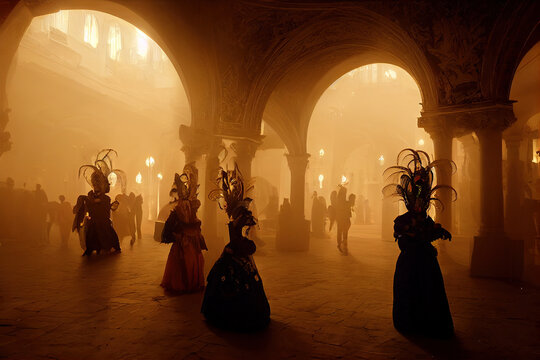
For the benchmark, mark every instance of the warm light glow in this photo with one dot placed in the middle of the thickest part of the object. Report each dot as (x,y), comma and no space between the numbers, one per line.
(150,161)
(321,178)
(321,152)
(114,42)
(381,160)
(138,178)
(343,179)
(390,74)
(421,142)
(112,179)
(91,30)
(160,177)
(142,43)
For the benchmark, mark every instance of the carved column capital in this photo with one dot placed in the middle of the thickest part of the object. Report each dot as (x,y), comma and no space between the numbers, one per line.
(459,120)
(298,162)
(246,147)
(195,142)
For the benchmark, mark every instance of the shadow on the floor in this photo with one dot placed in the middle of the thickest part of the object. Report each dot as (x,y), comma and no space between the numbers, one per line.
(451,348)
(270,341)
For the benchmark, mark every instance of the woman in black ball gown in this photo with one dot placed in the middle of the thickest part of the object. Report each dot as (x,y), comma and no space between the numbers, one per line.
(234,298)
(420,303)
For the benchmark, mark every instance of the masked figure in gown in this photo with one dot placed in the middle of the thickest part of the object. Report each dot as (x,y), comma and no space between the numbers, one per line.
(420,303)
(93,211)
(184,272)
(234,297)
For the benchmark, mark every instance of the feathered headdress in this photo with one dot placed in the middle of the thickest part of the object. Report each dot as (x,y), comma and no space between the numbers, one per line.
(230,193)
(97,175)
(412,179)
(185,185)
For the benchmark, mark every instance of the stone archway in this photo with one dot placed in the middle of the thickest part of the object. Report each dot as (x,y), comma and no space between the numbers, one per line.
(199,85)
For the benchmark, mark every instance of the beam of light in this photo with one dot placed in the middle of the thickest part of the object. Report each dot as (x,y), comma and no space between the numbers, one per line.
(321,178)
(390,74)
(138,178)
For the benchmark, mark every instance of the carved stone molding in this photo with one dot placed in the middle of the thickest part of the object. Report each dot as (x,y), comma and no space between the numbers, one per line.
(246,147)
(458,121)
(298,162)
(195,142)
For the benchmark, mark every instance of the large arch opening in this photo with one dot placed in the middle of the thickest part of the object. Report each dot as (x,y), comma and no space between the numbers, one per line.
(357,128)
(521,158)
(84,80)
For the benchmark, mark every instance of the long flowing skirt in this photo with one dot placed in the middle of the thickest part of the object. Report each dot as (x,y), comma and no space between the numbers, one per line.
(234,297)
(184,271)
(420,303)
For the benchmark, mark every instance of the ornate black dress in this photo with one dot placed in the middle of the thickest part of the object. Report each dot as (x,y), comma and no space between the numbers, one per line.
(420,303)
(99,233)
(234,296)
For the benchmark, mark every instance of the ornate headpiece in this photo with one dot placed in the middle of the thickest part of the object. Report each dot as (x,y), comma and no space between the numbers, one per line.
(185,185)
(413,179)
(97,175)
(230,194)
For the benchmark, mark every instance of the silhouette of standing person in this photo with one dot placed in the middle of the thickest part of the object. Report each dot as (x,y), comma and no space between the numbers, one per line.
(98,231)
(40,207)
(64,219)
(343,218)
(420,304)
(184,272)
(234,297)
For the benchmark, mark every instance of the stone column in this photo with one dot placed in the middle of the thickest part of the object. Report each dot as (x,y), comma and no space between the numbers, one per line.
(245,152)
(293,233)
(194,142)
(514,184)
(210,211)
(494,255)
(442,144)
(298,165)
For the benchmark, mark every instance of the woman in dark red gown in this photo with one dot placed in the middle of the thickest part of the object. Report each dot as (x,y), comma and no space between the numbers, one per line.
(184,271)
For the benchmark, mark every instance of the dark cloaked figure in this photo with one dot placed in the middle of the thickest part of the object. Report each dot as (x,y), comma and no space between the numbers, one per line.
(420,303)
(343,218)
(184,272)
(234,297)
(93,211)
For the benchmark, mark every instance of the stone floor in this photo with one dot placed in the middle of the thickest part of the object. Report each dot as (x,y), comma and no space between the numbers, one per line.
(54,304)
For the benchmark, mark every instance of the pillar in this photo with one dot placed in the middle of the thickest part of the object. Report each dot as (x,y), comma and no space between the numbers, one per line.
(514,185)
(293,232)
(494,255)
(245,152)
(298,166)
(442,145)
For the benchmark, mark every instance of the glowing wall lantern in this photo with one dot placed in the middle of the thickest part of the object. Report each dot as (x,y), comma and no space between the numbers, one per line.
(421,142)
(343,179)
(321,178)
(138,178)
(381,160)
(321,152)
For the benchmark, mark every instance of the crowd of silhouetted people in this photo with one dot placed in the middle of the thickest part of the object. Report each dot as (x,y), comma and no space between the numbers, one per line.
(29,216)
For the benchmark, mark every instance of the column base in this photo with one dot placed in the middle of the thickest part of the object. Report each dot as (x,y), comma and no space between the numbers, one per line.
(293,236)
(497,257)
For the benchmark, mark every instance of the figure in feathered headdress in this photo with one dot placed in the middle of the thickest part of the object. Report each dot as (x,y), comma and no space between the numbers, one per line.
(184,271)
(420,303)
(93,211)
(234,297)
